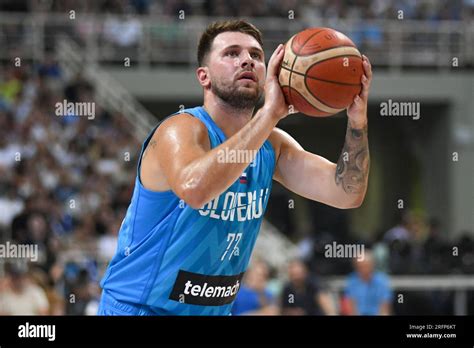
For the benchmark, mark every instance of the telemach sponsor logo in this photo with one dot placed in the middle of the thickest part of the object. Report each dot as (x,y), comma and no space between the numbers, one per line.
(206,290)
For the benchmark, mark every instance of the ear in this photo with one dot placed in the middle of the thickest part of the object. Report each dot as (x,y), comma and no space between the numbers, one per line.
(202,74)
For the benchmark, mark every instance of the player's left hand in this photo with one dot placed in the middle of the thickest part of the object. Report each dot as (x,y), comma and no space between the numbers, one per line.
(357,111)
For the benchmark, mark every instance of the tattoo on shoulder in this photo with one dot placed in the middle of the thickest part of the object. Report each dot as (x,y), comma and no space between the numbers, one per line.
(353,164)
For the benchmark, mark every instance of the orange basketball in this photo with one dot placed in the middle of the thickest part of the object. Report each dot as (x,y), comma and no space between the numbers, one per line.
(321,72)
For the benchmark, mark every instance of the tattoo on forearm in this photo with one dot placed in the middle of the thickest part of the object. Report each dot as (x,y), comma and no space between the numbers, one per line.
(353,164)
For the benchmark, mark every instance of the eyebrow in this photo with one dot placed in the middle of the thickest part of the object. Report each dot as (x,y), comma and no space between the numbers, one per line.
(253,48)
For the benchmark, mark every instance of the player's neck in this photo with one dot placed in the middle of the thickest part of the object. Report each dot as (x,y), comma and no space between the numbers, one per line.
(230,120)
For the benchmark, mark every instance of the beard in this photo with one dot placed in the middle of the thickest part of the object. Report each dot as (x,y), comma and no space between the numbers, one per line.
(236,96)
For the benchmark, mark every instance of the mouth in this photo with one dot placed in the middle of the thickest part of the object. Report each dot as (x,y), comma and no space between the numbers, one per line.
(247,76)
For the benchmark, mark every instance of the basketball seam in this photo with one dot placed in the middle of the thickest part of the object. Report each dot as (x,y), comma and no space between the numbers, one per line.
(291,71)
(313,106)
(309,38)
(327,49)
(323,60)
(296,56)
(322,102)
(318,79)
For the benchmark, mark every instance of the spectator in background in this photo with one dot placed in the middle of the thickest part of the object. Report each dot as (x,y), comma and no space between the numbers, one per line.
(10,206)
(402,231)
(142,7)
(464,264)
(107,244)
(21,296)
(79,291)
(368,291)
(436,252)
(10,85)
(400,240)
(253,297)
(49,67)
(55,300)
(220,8)
(303,295)
(123,32)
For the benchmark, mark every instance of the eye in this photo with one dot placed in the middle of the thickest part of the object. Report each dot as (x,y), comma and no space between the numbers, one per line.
(232,53)
(256,55)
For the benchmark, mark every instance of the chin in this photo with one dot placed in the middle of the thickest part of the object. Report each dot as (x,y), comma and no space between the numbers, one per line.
(248,92)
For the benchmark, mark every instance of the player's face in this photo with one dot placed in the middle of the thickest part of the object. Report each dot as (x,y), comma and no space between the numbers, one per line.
(237,69)
(297,272)
(365,268)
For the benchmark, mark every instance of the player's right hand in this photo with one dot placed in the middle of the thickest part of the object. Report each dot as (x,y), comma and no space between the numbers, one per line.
(275,102)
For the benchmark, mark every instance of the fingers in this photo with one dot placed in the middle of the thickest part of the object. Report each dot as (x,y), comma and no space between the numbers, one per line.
(275,60)
(365,87)
(366,78)
(367,66)
(357,100)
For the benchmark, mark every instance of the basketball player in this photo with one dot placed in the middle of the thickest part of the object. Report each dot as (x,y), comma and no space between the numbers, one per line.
(195,213)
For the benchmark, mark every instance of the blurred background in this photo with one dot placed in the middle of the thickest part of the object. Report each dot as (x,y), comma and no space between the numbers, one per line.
(65,182)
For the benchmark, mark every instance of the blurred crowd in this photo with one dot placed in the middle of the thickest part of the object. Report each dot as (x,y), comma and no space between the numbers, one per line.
(123,31)
(65,183)
(354,9)
(414,245)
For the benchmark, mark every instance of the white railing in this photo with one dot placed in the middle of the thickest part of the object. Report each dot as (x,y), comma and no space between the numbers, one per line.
(154,40)
(108,93)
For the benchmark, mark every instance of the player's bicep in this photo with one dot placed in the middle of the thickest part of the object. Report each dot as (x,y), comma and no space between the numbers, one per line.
(180,140)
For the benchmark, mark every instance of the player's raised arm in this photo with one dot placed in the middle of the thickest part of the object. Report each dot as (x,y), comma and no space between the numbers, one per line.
(343,185)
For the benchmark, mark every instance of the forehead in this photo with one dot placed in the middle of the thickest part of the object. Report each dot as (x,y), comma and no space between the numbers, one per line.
(230,38)
(367,261)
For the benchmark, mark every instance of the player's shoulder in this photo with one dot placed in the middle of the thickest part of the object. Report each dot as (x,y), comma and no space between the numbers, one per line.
(181,120)
(182,125)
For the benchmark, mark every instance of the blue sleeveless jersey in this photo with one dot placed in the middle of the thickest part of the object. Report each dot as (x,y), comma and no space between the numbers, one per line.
(176,260)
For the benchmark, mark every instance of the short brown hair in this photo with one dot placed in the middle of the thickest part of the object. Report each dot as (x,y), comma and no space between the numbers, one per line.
(215,28)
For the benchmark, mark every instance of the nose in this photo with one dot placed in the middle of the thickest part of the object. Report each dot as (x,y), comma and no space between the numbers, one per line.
(247,60)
